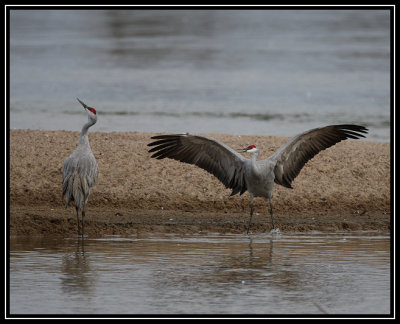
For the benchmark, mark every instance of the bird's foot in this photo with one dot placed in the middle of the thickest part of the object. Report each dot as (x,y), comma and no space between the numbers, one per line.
(275,231)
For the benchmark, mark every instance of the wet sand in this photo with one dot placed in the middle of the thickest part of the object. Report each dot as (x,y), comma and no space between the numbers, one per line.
(346,187)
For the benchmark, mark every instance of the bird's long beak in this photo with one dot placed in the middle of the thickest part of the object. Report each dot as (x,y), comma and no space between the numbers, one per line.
(242,149)
(83,104)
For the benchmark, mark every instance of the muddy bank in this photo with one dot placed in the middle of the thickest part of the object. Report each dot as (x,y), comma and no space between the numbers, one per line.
(346,187)
(120,221)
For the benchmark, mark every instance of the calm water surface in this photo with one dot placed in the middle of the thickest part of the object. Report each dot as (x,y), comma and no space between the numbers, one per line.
(258,72)
(197,274)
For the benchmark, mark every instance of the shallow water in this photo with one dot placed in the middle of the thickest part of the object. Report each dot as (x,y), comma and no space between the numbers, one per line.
(244,72)
(201,274)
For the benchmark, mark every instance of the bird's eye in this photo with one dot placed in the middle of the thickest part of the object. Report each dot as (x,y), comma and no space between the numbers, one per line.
(92,110)
(251,147)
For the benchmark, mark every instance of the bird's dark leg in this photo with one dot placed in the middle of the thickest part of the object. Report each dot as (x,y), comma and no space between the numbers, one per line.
(251,213)
(77,219)
(83,218)
(83,222)
(271,212)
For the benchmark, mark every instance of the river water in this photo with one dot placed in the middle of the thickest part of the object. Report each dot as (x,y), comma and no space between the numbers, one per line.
(279,274)
(244,72)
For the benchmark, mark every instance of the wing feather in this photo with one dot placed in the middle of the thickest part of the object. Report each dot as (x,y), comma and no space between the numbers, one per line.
(207,153)
(292,156)
(79,175)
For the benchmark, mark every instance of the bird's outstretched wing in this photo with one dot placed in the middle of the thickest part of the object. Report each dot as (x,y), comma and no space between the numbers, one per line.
(207,153)
(292,156)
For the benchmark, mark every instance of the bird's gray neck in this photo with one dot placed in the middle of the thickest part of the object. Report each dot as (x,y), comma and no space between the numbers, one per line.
(84,139)
(254,165)
(255,156)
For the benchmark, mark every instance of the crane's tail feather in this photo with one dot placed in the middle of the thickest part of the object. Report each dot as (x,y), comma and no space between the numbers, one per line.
(67,192)
(75,188)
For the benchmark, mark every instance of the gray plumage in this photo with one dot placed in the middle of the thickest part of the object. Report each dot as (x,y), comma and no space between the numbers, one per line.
(257,177)
(80,170)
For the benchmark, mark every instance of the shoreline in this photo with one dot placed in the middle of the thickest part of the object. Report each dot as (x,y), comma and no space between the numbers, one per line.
(124,222)
(346,187)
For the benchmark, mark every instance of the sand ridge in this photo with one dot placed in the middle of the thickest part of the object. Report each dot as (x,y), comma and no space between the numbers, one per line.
(136,193)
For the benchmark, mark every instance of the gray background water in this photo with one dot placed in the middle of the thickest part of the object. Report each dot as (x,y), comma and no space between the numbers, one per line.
(263,72)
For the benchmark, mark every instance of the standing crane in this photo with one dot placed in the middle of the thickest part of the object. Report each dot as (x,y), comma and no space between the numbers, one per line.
(257,177)
(80,170)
